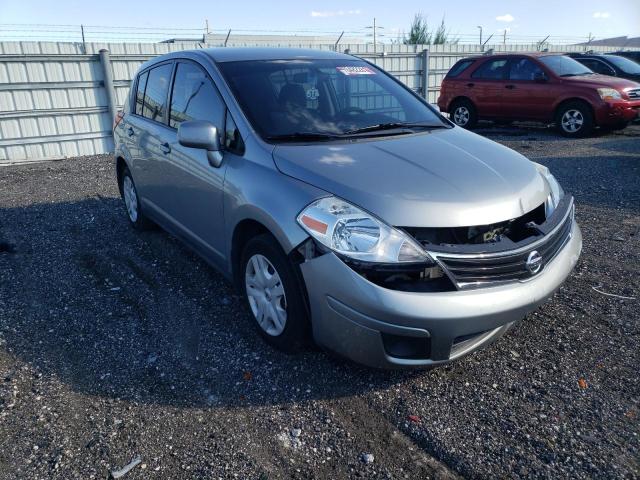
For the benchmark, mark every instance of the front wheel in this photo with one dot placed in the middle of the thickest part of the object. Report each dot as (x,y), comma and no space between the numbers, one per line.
(574,119)
(274,294)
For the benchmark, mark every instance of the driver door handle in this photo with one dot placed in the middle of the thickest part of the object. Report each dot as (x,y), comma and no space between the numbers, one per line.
(470,84)
(510,87)
(165,147)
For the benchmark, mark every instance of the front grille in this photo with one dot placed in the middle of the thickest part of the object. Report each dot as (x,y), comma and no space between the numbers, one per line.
(635,93)
(471,270)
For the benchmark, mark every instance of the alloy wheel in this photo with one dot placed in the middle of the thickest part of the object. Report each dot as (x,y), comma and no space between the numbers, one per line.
(266,295)
(572,121)
(130,198)
(461,116)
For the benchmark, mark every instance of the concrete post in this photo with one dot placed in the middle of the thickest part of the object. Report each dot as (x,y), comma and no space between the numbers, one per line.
(108,83)
(425,74)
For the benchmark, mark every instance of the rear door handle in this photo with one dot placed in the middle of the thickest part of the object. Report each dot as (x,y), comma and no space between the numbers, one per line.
(130,131)
(470,84)
(510,87)
(165,147)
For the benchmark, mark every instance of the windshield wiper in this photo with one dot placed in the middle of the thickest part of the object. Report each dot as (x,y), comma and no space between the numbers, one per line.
(391,126)
(302,136)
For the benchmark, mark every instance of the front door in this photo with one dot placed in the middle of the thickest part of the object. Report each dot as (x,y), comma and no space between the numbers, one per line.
(529,93)
(193,190)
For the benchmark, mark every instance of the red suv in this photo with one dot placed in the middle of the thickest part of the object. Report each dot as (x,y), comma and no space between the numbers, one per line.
(542,86)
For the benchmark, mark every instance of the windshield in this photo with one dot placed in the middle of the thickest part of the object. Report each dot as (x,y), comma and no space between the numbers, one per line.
(564,66)
(319,99)
(624,64)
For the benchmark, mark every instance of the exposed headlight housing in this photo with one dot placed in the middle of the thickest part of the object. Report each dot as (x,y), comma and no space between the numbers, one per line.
(349,231)
(555,190)
(609,94)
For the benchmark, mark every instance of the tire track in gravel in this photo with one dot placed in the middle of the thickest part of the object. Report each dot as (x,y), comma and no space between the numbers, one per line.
(389,444)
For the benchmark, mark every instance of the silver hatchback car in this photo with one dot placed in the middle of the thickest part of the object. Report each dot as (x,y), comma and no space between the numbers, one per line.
(345,208)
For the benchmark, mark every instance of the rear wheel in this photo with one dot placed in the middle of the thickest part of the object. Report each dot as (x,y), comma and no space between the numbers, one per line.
(574,119)
(132,202)
(274,294)
(463,113)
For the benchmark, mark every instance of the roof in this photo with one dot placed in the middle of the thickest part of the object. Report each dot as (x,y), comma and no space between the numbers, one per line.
(513,54)
(234,54)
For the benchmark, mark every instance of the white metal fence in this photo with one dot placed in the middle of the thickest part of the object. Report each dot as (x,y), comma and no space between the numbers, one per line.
(55,102)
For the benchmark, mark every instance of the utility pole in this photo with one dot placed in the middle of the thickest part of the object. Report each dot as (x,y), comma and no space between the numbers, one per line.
(480,27)
(504,37)
(375,34)
(206,26)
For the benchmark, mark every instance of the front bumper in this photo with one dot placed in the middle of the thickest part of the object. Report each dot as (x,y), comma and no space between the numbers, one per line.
(350,315)
(611,113)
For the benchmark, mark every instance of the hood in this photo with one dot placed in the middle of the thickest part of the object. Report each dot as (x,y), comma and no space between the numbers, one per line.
(598,81)
(442,178)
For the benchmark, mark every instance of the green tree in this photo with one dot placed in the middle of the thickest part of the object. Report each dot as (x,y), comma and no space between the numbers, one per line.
(419,33)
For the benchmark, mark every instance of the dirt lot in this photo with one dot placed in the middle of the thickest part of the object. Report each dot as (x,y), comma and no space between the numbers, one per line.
(116,344)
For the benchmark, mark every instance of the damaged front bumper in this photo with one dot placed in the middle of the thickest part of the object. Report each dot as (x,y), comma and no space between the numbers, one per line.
(386,328)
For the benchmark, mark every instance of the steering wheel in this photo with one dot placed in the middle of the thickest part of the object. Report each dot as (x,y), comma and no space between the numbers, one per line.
(352,110)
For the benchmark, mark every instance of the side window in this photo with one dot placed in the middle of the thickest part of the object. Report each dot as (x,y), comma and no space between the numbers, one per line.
(232,139)
(155,94)
(491,70)
(142,84)
(459,67)
(524,69)
(194,97)
(598,66)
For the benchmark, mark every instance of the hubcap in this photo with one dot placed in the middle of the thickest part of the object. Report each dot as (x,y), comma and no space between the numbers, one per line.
(572,121)
(266,295)
(461,116)
(130,198)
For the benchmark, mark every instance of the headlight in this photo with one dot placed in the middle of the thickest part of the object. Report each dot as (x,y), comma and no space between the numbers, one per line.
(555,190)
(609,94)
(349,231)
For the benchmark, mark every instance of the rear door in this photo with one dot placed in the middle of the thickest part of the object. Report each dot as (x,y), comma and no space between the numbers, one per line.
(525,98)
(148,128)
(485,87)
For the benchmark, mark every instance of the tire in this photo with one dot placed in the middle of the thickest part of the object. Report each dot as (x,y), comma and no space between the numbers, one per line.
(574,119)
(463,113)
(265,271)
(132,202)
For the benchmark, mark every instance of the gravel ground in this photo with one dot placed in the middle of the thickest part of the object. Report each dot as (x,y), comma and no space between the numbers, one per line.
(116,344)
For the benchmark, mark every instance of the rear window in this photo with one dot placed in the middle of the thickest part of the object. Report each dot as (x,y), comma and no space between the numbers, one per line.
(155,95)
(493,70)
(142,83)
(459,67)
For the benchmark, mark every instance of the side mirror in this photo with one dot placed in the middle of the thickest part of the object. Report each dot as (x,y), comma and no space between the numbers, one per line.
(539,77)
(204,135)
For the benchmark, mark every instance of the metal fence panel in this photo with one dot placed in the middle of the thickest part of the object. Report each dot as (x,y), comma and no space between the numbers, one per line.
(53,101)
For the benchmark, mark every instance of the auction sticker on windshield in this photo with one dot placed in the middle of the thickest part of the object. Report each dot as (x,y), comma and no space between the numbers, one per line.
(356,70)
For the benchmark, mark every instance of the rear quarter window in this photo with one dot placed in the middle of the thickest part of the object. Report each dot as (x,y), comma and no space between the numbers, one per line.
(458,68)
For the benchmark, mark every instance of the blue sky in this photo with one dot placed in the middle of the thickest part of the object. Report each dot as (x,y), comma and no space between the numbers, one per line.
(570,18)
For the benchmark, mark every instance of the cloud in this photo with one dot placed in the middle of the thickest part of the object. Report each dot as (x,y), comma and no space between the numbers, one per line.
(601,14)
(507,17)
(334,13)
